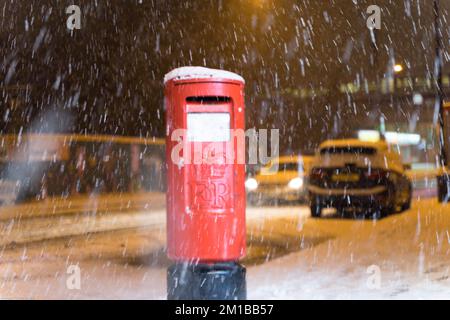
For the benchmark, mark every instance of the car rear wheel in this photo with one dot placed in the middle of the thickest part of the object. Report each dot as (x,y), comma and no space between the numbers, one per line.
(391,205)
(407,204)
(386,211)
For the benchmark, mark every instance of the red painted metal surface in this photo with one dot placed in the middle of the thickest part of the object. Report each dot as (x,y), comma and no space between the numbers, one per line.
(206,198)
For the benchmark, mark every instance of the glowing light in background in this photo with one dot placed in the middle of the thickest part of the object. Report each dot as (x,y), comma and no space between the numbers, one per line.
(398,138)
(398,68)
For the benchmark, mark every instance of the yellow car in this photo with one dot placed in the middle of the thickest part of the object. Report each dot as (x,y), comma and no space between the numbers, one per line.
(282,180)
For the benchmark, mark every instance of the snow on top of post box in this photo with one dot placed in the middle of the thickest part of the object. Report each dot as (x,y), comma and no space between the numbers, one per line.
(185,73)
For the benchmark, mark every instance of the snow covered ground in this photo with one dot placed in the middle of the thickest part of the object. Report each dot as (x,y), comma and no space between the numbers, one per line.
(128,262)
(290,256)
(410,252)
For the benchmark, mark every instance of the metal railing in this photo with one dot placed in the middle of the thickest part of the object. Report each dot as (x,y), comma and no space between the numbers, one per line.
(43,165)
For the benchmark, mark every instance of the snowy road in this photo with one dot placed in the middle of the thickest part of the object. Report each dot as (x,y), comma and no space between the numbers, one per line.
(290,255)
(410,252)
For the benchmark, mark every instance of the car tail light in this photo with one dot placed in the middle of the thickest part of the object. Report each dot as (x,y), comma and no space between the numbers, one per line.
(376,175)
(318,173)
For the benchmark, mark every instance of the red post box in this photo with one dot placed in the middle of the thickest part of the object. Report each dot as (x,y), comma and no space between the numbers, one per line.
(206,193)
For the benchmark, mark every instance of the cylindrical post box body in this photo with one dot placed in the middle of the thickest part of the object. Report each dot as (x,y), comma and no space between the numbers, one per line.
(205,193)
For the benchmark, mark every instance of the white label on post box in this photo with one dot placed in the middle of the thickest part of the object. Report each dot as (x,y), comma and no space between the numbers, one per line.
(208,127)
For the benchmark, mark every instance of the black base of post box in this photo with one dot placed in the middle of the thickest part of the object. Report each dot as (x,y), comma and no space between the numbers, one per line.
(216,281)
(443,185)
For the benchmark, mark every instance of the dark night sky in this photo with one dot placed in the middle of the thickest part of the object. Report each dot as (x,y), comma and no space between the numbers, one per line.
(107,76)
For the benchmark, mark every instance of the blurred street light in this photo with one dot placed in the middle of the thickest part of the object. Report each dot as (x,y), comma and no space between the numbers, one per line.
(398,68)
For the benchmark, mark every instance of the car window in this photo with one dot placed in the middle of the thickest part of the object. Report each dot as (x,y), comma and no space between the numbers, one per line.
(347,150)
